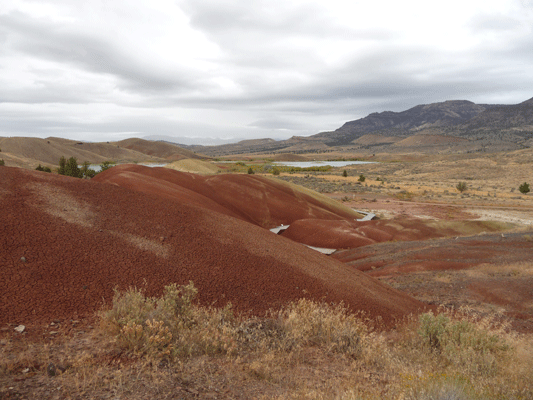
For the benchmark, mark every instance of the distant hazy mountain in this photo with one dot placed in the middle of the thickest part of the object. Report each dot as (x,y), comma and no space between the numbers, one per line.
(482,126)
(188,141)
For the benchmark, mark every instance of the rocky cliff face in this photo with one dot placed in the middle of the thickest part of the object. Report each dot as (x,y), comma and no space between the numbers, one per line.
(503,117)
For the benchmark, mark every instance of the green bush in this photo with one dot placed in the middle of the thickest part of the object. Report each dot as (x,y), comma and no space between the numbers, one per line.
(275,171)
(345,173)
(2,162)
(524,188)
(106,165)
(432,328)
(86,171)
(43,169)
(250,171)
(361,178)
(461,187)
(69,167)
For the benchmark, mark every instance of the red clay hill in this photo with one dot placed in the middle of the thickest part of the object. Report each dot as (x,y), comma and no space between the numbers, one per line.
(314,220)
(350,234)
(251,198)
(66,243)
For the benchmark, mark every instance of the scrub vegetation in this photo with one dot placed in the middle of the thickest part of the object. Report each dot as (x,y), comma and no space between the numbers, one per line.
(169,347)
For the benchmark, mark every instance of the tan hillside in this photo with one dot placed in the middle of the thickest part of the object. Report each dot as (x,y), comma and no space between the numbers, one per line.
(289,157)
(370,139)
(167,151)
(29,152)
(194,166)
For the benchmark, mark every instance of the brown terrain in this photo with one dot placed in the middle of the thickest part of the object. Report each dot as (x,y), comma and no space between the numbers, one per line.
(30,152)
(67,243)
(114,223)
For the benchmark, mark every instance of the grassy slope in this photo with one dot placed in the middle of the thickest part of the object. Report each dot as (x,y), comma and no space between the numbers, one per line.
(28,152)
(166,151)
(194,166)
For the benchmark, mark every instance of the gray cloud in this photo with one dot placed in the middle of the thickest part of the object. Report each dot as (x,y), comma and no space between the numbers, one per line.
(62,44)
(220,68)
(277,123)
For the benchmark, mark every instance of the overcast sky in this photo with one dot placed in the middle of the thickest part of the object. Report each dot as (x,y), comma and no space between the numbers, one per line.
(109,69)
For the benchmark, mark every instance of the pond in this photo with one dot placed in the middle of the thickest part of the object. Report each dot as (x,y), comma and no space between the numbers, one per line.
(307,164)
(97,168)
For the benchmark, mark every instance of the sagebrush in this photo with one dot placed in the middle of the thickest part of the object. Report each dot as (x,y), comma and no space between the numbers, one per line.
(315,350)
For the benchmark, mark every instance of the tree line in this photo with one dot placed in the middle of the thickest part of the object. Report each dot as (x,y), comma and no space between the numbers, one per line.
(70,167)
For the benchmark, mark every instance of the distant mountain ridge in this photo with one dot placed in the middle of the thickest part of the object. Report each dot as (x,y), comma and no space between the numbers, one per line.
(445,114)
(452,126)
(484,126)
(504,116)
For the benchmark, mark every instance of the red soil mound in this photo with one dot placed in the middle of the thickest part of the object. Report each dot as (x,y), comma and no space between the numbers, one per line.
(326,233)
(259,200)
(347,234)
(487,272)
(396,258)
(66,243)
(353,234)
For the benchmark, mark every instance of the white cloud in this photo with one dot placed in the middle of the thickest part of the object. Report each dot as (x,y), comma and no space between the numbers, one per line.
(257,69)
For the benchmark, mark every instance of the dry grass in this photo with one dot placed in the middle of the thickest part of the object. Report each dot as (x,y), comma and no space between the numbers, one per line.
(170,348)
(194,166)
(516,269)
(491,179)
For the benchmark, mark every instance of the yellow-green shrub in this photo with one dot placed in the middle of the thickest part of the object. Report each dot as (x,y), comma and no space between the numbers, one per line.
(169,326)
(463,342)
(309,323)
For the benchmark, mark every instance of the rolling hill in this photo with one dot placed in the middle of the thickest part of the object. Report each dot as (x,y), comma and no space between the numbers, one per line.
(68,243)
(29,152)
(163,150)
(255,199)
